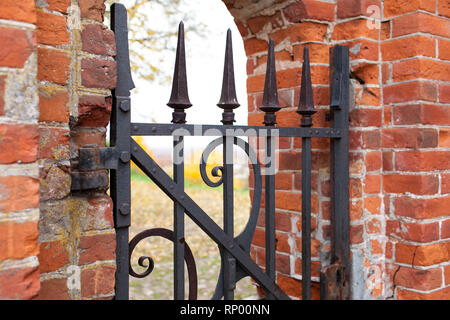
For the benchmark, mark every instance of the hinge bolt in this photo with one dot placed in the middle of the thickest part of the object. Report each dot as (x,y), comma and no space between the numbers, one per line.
(125,156)
(124,105)
(124,209)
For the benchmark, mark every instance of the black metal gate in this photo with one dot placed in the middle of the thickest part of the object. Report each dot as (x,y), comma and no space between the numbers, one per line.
(235,251)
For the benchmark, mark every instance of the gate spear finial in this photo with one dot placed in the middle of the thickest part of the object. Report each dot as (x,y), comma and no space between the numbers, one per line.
(228,100)
(270,103)
(179,99)
(306,104)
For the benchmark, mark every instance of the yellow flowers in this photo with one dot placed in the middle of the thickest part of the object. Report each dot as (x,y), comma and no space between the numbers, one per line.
(192,174)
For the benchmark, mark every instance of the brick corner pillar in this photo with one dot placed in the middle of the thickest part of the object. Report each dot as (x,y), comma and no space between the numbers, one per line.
(76,71)
(399,138)
(19,139)
(415,142)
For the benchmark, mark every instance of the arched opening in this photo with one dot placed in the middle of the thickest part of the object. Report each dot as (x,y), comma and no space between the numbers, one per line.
(206,23)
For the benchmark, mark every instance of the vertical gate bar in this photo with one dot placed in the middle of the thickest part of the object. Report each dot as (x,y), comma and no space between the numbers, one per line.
(178,219)
(229,261)
(306,218)
(270,209)
(306,110)
(339,162)
(270,105)
(120,139)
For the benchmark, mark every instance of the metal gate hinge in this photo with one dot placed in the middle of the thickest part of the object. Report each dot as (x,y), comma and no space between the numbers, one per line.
(95,158)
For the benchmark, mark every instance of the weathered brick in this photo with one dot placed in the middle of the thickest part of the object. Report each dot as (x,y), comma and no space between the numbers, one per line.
(422,160)
(445,183)
(422,208)
(403,294)
(409,138)
(19,284)
(96,73)
(293,287)
(23,10)
(52,256)
(96,248)
(288,201)
(410,91)
(363,49)
(445,231)
(52,29)
(415,184)
(421,114)
(420,68)
(53,289)
(444,93)
(372,204)
(418,232)
(444,8)
(399,7)
(365,117)
(94,111)
(54,143)
(309,9)
(98,39)
(56,5)
(420,22)
(418,279)
(92,9)
(318,52)
(367,96)
(423,255)
(53,66)
(254,45)
(53,105)
(444,49)
(97,281)
(356,234)
(80,136)
(18,142)
(17,46)
(54,183)
(305,31)
(408,47)
(290,160)
(351,8)
(444,138)
(18,193)
(353,29)
(18,240)
(265,23)
(373,161)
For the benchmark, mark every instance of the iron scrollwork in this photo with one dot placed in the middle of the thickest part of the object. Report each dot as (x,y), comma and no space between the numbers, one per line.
(169,235)
(244,239)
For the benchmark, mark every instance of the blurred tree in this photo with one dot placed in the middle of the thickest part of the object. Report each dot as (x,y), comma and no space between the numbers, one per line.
(153,26)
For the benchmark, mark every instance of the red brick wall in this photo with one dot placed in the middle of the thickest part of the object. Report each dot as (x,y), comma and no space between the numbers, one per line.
(19,139)
(398,138)
(76,71)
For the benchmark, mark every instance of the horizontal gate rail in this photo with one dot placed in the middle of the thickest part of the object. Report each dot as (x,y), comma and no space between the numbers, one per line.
(236,262)
(197,130)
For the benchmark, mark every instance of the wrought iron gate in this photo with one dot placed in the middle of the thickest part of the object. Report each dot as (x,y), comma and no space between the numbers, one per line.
(235,251)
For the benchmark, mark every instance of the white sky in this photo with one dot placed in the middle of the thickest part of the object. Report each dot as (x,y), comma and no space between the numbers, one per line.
(205,59)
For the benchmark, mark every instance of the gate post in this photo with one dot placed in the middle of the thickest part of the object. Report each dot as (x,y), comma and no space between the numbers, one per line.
(335,279)
(120,141)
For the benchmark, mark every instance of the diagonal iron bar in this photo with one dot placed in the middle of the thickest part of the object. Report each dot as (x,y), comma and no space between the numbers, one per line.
(168,186)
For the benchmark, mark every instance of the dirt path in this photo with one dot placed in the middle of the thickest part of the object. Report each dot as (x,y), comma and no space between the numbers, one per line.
(151,208)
